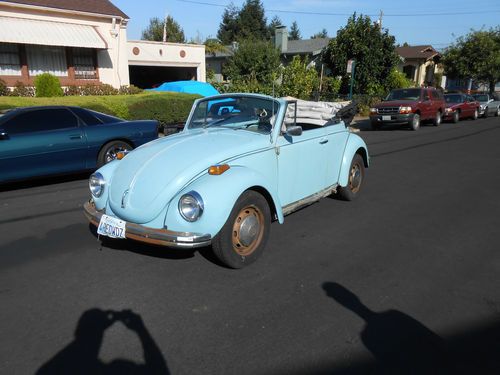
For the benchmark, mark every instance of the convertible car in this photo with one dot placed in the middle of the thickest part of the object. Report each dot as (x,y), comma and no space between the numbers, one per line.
(40,141)
(242,161)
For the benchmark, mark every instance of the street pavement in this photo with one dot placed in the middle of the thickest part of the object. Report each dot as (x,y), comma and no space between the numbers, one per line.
(404,280)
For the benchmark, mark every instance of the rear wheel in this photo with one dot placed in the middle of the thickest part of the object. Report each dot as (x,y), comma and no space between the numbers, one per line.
(109,151)
(437,119)
(243,237)
(497,113)
(456,117)
(355,180)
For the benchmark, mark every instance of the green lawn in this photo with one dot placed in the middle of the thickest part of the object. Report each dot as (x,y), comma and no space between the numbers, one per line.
(165,107)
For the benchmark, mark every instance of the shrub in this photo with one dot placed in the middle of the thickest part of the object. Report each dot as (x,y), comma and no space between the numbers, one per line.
(20,89)
(129,90)
(398,80)
(47,86)
(4,90)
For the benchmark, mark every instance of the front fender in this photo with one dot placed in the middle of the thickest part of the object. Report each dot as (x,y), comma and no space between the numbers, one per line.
(354,145)
(219,194)
(107,172)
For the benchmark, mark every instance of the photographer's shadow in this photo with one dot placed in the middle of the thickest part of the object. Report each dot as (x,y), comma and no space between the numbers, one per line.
(399,343)
(82,355)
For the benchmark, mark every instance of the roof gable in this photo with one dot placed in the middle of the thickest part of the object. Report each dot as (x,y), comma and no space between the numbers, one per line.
(102,7)
(417,52)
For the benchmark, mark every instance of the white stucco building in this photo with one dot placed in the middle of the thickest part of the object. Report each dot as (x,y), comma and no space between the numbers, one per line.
(85,42)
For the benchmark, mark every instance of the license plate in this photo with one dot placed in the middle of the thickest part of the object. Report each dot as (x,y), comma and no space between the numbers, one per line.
(386,118)
(111,227)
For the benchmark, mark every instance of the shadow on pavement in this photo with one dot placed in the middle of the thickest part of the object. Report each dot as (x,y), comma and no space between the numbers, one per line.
(402,345)
(43,181)
(81,356)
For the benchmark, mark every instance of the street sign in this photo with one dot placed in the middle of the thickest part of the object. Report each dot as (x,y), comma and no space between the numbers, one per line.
(349,65)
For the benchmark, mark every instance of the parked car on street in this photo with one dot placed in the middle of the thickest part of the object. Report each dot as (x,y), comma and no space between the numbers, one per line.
(242,161)
(409,107)
(40,141)
(460,106)
(489,105)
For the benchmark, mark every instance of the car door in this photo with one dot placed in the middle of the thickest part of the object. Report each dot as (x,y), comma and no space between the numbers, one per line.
(301,164)
(427,106)
(41,142)
(337,135)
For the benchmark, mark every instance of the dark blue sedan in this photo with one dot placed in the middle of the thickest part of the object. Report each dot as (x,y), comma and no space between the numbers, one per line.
(40,141)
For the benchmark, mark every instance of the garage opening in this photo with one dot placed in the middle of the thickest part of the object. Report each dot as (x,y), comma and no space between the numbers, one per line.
(147,77)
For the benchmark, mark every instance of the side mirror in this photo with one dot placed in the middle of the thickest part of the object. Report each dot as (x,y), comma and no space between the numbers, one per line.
(3,134)
(294,130)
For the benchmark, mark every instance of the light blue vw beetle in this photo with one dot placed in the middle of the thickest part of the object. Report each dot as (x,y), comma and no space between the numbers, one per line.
(241,161)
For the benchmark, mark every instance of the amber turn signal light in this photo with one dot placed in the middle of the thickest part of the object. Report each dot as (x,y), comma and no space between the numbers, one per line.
(218,169)
(120,155)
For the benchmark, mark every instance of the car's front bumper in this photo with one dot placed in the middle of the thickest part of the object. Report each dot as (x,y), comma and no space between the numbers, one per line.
(154,236)
(392,118)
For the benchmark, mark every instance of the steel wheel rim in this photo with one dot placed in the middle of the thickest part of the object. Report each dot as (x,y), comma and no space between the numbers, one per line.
(438,118)
(111,153)
(248,230)
(355,178)
(416,122)
(456,116)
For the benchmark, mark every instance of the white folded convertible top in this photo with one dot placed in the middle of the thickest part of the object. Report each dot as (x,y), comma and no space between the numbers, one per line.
(315,113)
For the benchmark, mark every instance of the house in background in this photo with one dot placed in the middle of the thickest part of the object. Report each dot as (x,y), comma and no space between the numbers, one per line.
(80,42)
(85,42)
(310,48)
(419,63)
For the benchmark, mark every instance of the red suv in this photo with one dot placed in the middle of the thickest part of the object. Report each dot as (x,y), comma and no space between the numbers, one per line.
(410,107)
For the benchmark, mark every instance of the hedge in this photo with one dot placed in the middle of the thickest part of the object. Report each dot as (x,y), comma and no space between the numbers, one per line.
(166,107)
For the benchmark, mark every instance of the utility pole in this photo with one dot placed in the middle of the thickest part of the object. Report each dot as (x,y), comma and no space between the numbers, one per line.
(165,28)
(380,19)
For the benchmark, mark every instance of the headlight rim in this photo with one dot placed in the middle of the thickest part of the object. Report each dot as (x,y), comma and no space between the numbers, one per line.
(101,184)
(199,202)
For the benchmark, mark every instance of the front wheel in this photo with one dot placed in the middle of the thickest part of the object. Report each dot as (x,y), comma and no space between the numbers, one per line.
(109,151)
(437,119)
(356,177)
(243,237)
(475,115)
(456,117)
(497,113)
(415,122)
(486,112)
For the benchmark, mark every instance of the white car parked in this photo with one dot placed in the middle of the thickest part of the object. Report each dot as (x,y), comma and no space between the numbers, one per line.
(489,104)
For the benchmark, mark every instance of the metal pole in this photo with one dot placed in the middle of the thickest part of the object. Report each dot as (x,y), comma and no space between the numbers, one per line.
(352,79)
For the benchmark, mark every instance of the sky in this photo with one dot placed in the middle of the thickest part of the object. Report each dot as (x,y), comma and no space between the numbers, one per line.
(438,23)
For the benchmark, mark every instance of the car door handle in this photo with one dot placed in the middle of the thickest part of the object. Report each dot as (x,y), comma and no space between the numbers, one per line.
(75,136)
(323,141)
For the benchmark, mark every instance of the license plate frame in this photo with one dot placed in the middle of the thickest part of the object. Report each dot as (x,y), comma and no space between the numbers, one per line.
(386,118)
(111,227)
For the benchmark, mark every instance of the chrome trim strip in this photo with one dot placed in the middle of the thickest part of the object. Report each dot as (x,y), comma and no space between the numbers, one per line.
(292,207)
(156,236)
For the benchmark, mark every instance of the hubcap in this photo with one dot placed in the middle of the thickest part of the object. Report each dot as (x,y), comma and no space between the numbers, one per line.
(438,118)
(248,230)
(111,153)
(355,178)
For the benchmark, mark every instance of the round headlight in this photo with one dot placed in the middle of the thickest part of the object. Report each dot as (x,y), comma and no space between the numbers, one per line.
(191,206)
(96,184)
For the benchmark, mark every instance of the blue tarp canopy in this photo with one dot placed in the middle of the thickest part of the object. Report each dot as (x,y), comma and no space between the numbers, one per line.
(188,87)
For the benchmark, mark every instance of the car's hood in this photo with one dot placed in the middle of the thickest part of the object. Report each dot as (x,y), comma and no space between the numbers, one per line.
(148,178)
(396,103)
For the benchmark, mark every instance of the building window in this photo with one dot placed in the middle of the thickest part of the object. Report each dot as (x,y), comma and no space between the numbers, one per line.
(84,63)
(47,59)
(9,60)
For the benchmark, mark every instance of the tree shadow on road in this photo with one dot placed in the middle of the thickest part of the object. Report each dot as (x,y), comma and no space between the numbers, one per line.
(82,355)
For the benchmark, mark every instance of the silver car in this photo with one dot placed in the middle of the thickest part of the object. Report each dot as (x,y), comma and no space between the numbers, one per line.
(489,104)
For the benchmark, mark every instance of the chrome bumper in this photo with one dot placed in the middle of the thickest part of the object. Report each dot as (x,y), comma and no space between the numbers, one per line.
(154,236)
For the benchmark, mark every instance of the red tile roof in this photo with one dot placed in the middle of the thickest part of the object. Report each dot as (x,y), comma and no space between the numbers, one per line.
(103,7)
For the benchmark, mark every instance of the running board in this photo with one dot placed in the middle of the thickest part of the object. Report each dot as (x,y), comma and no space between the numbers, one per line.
(292,207)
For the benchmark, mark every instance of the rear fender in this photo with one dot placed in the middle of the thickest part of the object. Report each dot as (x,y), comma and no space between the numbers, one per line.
(219,194)
(355,145)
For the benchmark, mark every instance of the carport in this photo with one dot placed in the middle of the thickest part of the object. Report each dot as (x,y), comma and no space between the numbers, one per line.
(147,77)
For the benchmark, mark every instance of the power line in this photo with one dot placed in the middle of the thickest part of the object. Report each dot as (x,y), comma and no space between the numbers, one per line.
(349,14)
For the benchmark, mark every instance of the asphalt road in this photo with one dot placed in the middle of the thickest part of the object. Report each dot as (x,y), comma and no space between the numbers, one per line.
(406,279)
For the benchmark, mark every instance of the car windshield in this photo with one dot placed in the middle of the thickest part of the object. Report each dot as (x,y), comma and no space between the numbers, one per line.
(405,94)
(481,97)
(453,98)
(235,112)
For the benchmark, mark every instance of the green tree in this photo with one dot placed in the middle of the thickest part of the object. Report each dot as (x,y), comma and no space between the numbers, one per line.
(475,55)
(256,60)
(252,21)
(373,49)
(154,31)
(322,34)
(299,80)
(294,32)
(229,27)
(213,46)
(275,22)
